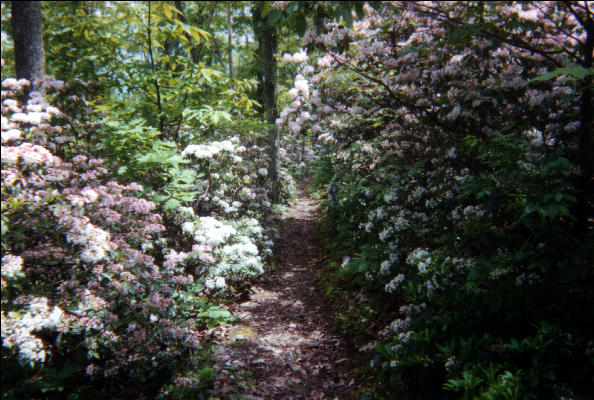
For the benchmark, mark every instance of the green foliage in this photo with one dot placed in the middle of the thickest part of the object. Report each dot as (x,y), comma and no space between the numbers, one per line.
(570,73)
(458,236)
(163,168)
(122,141)
(216,315)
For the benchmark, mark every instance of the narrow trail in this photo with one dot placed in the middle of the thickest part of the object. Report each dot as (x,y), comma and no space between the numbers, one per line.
(285,339)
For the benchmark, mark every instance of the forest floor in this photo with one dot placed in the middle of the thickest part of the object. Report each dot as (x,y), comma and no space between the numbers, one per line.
(285,347)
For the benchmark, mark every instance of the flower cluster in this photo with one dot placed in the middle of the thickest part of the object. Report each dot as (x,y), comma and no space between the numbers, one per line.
(297,58)
(18,330)
(89,243)
(226,254)
(205,151)
(442,202)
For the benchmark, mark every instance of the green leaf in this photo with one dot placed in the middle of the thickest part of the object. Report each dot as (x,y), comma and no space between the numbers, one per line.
(575,73)
(171,204)
(300,24)
(347,16)
(166,9)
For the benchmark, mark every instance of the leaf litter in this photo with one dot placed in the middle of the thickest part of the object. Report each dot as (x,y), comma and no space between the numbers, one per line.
(285,347)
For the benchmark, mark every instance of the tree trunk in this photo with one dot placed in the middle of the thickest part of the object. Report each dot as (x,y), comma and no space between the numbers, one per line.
(28,43)
(196,50)
(247,37)
(230,39)
(218,50)
(267,46)
(154,70)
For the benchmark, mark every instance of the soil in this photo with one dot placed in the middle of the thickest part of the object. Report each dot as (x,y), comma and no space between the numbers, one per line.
(285,347)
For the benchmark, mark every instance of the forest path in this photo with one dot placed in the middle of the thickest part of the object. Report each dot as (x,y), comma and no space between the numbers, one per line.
(285,339)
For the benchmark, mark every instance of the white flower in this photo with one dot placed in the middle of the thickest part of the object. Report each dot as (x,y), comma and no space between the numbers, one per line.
(227,145)
(11,265)
(9,83)
(381,213)
(530,15)
(263,172)
(220,282)
(294,127)
(383,235)
(325,61)
(90,195)
(299,57)
(212,232)
(394,283)
(305,115)
(302,86)
(287,58)
(185,210)
(153,318)
(422,266)
(188,227)
(92,254)
(11,134)
(54,318)
(385,267)
(91,369)
(17,329)
(457,58)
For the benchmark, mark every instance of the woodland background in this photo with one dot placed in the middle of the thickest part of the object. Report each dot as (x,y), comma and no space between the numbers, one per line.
(146,147)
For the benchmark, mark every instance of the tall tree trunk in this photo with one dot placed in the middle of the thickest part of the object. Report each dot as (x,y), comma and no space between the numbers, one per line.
(267,46)
(154,70)
(28,43)
(247,37)
(196,50)
(230,38)
(218,50)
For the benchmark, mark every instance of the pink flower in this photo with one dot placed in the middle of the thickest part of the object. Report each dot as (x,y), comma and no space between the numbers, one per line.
(206,258)
(79,159)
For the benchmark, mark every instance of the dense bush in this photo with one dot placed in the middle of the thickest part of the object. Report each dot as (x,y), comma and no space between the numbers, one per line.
(456,204)
(98,285)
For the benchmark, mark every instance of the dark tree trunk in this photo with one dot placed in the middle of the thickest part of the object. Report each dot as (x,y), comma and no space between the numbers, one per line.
(196,50)
(266,36)
(218,50)
(28,43)
(230,38)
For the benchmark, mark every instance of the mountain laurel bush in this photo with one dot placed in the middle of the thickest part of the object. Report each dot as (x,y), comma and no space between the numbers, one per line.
(452,176)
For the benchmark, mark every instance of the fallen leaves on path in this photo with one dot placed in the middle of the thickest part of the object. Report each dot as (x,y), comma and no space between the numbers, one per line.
(284,347)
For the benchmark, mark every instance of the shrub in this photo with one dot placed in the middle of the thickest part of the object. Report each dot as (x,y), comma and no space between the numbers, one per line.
(452,194)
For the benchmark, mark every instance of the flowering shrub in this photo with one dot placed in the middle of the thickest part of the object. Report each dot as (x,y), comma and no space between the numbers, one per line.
(90,285)
(454,195)
(226,254)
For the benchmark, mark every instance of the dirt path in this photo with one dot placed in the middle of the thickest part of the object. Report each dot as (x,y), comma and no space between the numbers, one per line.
(284,339)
